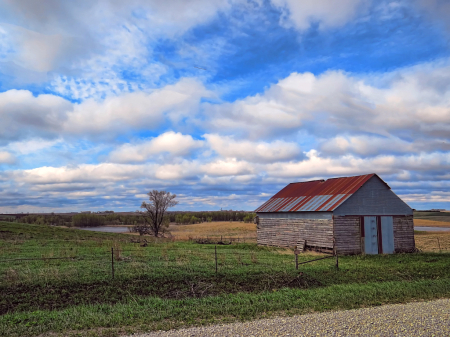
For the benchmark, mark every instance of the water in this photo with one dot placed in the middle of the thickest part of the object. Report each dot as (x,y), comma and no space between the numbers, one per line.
(432,229)
(107,229)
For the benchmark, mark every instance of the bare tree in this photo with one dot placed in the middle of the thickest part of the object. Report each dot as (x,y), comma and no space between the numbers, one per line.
(155,209)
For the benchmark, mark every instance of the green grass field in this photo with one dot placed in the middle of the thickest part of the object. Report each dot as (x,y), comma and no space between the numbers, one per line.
(174,284)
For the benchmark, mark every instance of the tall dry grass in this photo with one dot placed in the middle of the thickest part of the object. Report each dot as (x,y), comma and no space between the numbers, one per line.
(430,223)
(433,242)
(234,229)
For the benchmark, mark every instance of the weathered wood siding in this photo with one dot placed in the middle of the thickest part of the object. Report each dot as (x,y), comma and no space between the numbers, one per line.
(287,232)
(374,198)
(347,232)
(404,234)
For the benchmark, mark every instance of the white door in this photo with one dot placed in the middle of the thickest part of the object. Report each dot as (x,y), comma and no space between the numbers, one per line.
(387,234)
(371,235)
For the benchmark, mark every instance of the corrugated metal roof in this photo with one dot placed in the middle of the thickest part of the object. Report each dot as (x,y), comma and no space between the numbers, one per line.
(316,195)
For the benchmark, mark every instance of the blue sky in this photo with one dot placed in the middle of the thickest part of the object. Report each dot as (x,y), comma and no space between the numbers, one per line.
(222,102)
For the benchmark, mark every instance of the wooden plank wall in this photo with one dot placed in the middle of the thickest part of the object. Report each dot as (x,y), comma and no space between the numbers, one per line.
(347,231)
(404,234)
(288,232)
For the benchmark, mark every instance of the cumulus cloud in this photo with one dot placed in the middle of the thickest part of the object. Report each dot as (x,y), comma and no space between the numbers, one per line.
(374,145)
(170,142)
(39,52)
(30,146)
(137,110)
(24,115)
(327,13)
(81,174)
(409,103)
(228,147)
(317,165)
(228,167)
(7,158)
(47,116)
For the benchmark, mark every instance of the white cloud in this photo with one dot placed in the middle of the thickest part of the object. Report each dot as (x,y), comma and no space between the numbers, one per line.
(228,167)
(137,110)
(171,142)
(52,36)
(7,158)
(24,115)
(320,166)
(35,51)
(81,174)
(406,104)
(328,13)
(32,146)
(47,116)
(374,145)
(228,147)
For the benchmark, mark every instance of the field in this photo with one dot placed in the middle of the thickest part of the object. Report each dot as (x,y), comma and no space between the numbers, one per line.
(242,230)
(433,216)
(431,223)
(172,284)
(432,241)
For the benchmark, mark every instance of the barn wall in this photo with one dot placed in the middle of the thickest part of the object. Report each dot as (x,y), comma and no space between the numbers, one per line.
(347,232)
(288,232)
(404,234)
(374,198)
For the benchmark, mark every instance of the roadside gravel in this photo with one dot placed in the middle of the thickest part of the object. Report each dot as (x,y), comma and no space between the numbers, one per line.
(412,319)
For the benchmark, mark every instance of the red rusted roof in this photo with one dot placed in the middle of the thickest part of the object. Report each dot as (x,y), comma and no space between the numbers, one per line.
(316,195)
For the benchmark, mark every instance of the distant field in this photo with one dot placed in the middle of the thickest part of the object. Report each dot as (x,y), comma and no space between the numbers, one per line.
(430,223)
(215,230)
(433,216)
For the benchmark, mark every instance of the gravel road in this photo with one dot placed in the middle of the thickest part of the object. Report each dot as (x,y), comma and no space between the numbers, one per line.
(412,319)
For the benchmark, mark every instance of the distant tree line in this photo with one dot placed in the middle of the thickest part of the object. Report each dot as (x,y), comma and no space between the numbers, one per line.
(93,219)
(198,217)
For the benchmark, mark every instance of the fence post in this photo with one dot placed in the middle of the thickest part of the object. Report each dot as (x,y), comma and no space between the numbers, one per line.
(215,255)
(112,261)
(439,245)
(296,259)
(335,253)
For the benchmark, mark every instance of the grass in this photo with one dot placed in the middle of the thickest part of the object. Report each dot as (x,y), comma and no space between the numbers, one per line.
(150,313)
(173,284)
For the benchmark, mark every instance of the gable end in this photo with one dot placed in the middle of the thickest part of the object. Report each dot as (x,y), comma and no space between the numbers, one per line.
(374,198)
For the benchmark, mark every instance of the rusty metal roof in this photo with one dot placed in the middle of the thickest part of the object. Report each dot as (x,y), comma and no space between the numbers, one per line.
(316,195)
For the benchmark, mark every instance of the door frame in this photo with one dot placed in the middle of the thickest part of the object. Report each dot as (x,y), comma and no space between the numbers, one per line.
(379,230)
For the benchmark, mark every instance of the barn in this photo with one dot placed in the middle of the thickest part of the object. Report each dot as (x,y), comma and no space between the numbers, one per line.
(358,214)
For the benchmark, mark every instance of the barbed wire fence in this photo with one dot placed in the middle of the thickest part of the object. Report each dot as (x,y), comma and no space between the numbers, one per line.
(116,262)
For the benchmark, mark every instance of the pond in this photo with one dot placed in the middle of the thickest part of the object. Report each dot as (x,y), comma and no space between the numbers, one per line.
(432,229)
(107,229)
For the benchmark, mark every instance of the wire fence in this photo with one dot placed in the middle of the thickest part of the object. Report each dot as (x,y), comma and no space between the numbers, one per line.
(161,261)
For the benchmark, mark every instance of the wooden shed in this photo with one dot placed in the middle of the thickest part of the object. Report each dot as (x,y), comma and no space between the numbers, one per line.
(360,214)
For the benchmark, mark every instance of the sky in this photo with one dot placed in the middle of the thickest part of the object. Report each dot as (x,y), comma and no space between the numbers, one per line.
(221,102)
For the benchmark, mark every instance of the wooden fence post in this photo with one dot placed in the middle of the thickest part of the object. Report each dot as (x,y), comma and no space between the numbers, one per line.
(215,255)
(296,259)
(439,245)
(112,261)
(335,253)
